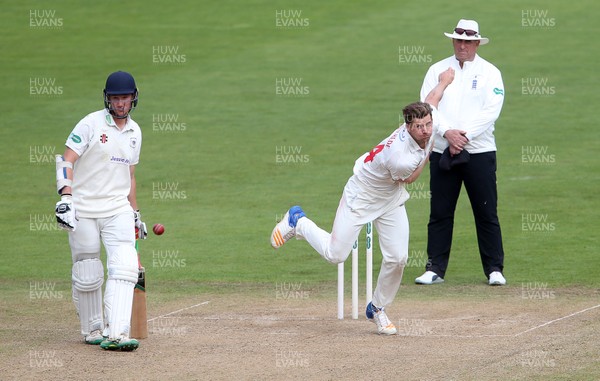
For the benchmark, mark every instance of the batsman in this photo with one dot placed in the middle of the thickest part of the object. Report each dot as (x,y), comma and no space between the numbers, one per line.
(376,192)
(95,178)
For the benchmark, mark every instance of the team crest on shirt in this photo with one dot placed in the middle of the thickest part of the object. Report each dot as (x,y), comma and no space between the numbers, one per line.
(133,142)
(103,138)
(402,134)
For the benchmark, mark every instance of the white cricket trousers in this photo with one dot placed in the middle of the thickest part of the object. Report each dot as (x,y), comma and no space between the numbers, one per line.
(117,233)
(393,230)
(114,232)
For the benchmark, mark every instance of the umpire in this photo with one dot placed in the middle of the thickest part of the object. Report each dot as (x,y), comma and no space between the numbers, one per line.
(465,153)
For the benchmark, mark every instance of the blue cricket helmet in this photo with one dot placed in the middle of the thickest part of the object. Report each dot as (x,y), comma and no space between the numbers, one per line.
(120,83)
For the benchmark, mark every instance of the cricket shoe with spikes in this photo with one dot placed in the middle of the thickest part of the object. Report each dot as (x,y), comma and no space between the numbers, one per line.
(286,228)
(122,343)
(95,337)
(378,316)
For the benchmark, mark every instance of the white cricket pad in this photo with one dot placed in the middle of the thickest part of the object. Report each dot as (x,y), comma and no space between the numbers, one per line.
(118,298)
(87,277)
(61,173)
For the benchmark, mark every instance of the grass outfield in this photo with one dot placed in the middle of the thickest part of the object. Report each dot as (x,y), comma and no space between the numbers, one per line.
(208,73)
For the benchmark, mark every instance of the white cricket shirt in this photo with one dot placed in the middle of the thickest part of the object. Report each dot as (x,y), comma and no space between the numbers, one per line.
(472,102)
(101,175)
(377,181)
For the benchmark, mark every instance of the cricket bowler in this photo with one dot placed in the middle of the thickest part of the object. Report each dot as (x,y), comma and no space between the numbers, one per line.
(95,178)
(376,192)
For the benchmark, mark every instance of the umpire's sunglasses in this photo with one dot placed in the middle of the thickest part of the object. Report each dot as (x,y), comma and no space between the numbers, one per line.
(468,32)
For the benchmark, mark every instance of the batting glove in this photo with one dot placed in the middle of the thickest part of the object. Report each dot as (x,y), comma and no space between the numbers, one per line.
(66,217)
(141,226)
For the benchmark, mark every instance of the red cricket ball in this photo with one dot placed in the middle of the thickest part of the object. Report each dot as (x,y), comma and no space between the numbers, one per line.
(158,229)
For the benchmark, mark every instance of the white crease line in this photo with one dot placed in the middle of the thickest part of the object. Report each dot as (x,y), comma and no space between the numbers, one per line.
(183,309)
(264,318)
(435,335)
(559,319)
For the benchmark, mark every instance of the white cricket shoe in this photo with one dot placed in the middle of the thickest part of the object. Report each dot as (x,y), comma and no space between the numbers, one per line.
(379,317)
(429,278)
(286,228)
(94,338)
(497,279)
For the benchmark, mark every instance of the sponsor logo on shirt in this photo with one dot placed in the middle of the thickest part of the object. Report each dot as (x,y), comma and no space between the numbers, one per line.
(133,142)
(498,91)
(391,140)
(119,160)
(75,138)
(103,138)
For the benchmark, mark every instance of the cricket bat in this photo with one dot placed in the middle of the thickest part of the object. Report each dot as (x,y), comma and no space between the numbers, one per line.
(139,320)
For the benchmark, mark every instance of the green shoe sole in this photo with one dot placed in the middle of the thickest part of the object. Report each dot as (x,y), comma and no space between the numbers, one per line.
(129,346)
(126,346)
(95,342)
(109,345)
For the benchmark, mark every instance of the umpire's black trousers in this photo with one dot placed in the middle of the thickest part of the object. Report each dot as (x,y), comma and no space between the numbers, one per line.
(479,177)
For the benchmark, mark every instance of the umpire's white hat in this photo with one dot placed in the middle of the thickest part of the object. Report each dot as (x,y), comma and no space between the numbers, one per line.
(467,30)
